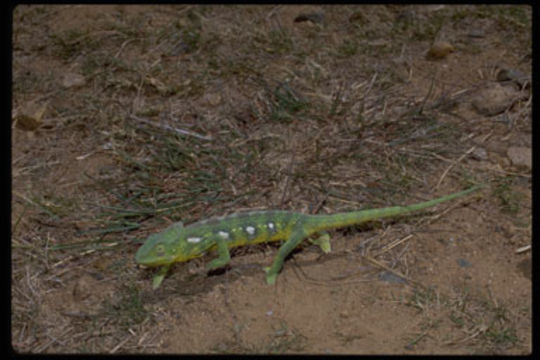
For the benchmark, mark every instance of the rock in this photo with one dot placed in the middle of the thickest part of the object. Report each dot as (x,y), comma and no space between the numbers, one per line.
(158,85)
(73,80)
(495,99)
(28,116)
(213,99)
(314,17)
(83,288)
(391,278)
(439,50)
(463,262)
(479,154)
(358,17)
(476,33)
(520,156)
(525,268)
(516,76)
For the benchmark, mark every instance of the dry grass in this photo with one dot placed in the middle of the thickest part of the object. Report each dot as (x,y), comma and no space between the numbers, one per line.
(192,111)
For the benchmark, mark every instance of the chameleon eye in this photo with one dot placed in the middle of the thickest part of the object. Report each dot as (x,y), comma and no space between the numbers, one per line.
(160,250)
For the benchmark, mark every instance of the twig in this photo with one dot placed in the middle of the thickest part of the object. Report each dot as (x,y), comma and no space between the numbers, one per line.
(288,179)
(496,169)
(52,340)
(424,101)
(370,85)
(176,130)
(394,244)
(523,249)
(122,343)
(372,260)
(452,165)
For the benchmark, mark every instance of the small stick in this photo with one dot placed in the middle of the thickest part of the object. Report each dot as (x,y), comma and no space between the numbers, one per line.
(523,249)
(393,244)
(288,179)
(176,130)
(372,260)
(122,343)
(453,164)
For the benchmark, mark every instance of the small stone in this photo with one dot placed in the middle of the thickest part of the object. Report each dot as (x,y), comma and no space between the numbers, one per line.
(213,99)
(358,17)
(516,76)
(476,33)
(479,154)
(158,85)
(520,156)
(495,99)
(73,80)
(314,17)
(439,50)
(463,263)
(525,267)
(389,277)
(28,116)
(83,288)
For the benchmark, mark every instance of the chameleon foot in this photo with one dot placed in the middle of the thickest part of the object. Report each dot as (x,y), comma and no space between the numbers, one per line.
(214,264)
(270,278)
(323,242)
(158,278)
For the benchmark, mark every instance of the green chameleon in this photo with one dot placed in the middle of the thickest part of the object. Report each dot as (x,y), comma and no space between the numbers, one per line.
(178,243)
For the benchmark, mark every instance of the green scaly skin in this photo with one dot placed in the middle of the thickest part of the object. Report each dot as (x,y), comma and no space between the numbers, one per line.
(178,243)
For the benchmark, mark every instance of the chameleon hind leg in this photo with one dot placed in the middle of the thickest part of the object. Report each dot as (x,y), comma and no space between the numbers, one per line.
(223,255)
(323,241)
(296,238)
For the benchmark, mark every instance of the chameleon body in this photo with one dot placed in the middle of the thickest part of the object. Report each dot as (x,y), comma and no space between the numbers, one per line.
(178,243)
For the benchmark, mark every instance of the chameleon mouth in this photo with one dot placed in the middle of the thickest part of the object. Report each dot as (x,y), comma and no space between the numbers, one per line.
(146,262)
(140,260)
(149,263)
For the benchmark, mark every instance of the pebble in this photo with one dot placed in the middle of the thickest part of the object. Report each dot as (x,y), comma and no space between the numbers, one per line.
(479,154)
(391,278)
(439,50)
(463,263)
(525,267)
(516,76)
(494,99)
(73,80)
(29,116)
(314,17)
(520,156)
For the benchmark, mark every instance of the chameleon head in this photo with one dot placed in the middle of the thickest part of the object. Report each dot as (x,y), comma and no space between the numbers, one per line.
(162,248)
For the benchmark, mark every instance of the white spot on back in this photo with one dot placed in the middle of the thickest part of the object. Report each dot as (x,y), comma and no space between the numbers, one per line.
(271,225)
(250,230)
(223,234)
(194,240)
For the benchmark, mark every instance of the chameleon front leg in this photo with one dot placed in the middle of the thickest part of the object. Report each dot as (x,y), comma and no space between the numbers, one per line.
(296,238)
(158,278)
(223,255)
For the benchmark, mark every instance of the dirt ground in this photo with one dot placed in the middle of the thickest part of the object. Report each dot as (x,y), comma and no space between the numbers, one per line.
(128,118)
